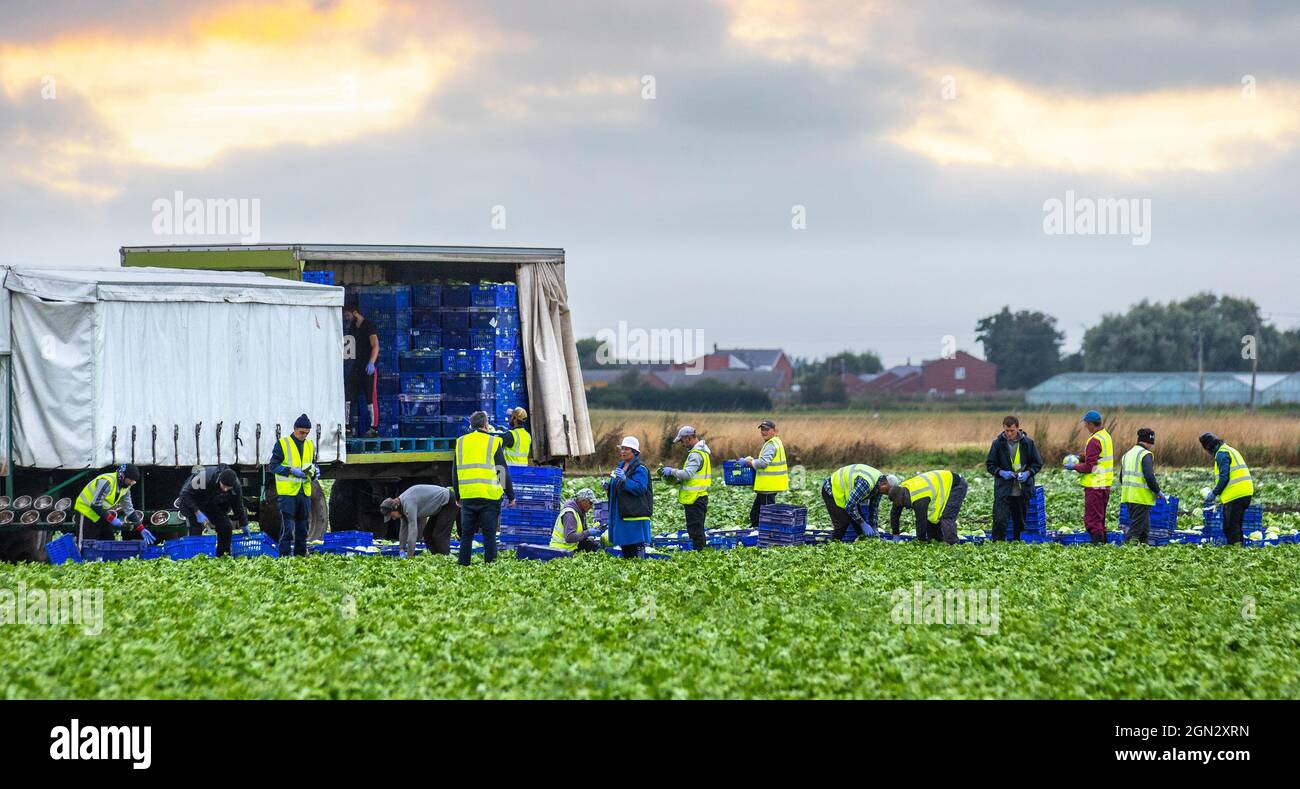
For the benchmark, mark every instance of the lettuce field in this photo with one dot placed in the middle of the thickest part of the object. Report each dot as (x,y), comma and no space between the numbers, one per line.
(863,620)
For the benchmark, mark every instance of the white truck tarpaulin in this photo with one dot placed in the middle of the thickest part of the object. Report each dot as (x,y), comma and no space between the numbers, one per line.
(98,352)
(557,405)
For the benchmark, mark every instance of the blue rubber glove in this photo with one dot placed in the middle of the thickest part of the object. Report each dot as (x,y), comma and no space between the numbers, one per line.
(667,472)
(1023,476)
(619,473)
(1005,474)
(200,517)
(370,368)
(1070,466)
(297,472)
(1210,500)
(146,537)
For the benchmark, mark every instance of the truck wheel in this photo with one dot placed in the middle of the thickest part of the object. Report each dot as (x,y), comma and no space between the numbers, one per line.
(268,514)
(343,505)
(368,516)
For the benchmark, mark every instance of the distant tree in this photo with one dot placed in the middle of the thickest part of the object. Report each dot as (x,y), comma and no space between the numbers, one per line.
(822,387)
(1024,345)
(852,363)
(1071,363)
(587,348)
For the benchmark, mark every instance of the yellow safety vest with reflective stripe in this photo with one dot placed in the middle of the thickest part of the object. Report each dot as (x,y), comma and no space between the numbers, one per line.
(1239,480)
(476,473)
(842,481)
(776,477)
(1134,488)
(697,485)
(936,485)
(1103,474)
(286,485)
(517,455)
(557,532)
(87,496)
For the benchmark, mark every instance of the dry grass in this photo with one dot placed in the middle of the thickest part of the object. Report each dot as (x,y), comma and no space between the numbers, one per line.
(823,440)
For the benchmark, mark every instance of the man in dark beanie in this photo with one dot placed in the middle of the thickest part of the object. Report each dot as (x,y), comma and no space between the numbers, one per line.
(1138,488)
(208,497)
(293,461)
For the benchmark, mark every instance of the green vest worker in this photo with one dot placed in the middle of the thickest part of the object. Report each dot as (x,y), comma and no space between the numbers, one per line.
(1097,470)
(852,495)
(570,532)
(480,479)
(695,477)
(1235,487)
(771,473)
(96,517)
(517,442)
(935,497)
(293,461)
(1138,488)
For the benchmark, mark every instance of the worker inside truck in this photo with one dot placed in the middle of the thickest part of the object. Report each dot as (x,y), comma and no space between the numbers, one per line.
(361,382)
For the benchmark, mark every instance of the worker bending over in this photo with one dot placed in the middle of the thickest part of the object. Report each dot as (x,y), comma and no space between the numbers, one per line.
(423,509)
(771,473)
(1138,488)
(1234,488)
(1097,470)
(852,495)
(695,476)
(935,497)
(209,496)
(96,517)
(571,532)
(293,463)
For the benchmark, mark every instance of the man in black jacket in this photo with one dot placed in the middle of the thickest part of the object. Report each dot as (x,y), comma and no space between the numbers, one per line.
(1013,461)
(208,496)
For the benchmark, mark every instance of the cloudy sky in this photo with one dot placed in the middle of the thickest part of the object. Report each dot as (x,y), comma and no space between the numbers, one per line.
(809,175)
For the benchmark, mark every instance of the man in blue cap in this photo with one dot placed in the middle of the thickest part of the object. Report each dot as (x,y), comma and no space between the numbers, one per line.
(293,461)
(1097,473)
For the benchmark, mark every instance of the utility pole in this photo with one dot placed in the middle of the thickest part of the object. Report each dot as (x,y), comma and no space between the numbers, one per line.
(1200,365)
(1254,368)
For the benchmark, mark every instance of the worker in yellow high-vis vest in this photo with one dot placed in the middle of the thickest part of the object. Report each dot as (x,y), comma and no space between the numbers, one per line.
(771,471)
(1138,487)
(1013,462)
(293,461)
(480,478)
(1234,489)
(695,476)
(571,532)
(97,517)
(852,496)
(1097,474)
(935,497)
(517,442)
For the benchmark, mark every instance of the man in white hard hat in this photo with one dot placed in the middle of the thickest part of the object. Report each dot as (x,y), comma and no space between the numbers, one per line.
(695,476)
(631,500)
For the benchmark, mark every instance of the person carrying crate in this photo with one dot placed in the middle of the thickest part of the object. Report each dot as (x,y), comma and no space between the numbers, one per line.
(571,532)
(1097,473)
(771,472)
(480,478)
(935,498)
(96,517)
(293,463)
(852,495)
(516,441)
(430,509)
(209,496)
(1138,488)
(1234,489)
(1013,461)
(695,477)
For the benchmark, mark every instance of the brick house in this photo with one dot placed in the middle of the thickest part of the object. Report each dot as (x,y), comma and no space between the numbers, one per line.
(754,360)
(961,374)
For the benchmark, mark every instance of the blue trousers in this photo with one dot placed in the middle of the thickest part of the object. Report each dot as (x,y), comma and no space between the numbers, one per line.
(295,511)
(478,516)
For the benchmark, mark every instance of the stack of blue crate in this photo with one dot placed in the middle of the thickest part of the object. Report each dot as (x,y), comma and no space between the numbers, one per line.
(1164,520)
(537,504)
(1035,517)
(1213,529)
(782,524)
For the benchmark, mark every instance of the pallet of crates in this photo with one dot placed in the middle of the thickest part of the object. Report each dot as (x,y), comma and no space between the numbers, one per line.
(781,524)
(1035,518)
(538,493)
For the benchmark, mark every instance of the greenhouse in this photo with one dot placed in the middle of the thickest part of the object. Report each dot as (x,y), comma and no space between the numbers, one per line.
(1163,389)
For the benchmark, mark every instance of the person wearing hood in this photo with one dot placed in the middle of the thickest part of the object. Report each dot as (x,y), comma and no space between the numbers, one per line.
(1138,488)
(293,461)
(695,476)
(209,496)
(1013,462)
(423,509)
(97,518)
(631,500)
(1235,487)
(852,495)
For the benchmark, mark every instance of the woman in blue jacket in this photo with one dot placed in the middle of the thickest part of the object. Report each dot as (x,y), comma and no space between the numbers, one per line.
(631,501)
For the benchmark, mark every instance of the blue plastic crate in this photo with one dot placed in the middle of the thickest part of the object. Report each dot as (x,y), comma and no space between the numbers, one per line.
(478,385)
(542,553)
(426,318)
(421,427)
(493,319)
(318,277)
(509,362)
(63,550)
(351,539)
(382,298)
(253,544)
(493,295)
(543,475)
(389,384)
(456,295)
(426,295)
(179,548)
(476,360)
(414,405)
(506,340)
(465,406)
(426,339)
(421,362)
(736,473)
(153,552)
(453,319)
(521,516)
(453,426)
(110,550)
(422,383)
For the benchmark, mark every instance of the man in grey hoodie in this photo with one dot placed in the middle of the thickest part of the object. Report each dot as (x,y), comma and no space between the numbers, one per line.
(695,476)
(431,509)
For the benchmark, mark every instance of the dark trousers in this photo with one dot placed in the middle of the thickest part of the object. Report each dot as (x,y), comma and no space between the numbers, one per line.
(220,524)
(633,551)
(295,511)
(437,530)
(478,516)
(90,530)
(840,520)
(362,393)
(1007,507)
(946,528)
(760,500)
(1234,512)
(1094,513)
(695,513)
(1139,523)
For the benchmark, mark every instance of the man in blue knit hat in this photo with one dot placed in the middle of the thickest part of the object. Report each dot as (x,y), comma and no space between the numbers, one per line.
(293,461)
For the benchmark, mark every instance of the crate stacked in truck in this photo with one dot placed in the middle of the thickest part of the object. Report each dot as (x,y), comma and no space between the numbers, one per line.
(447,349)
